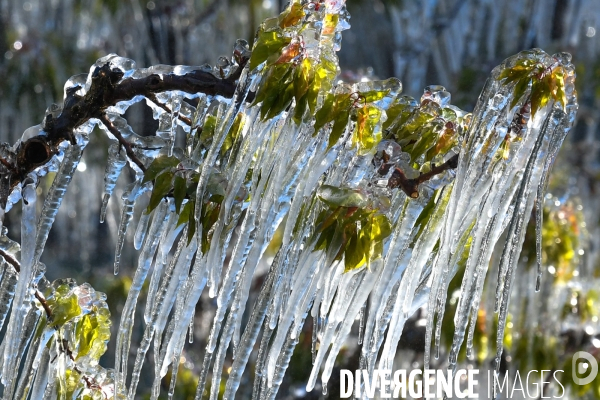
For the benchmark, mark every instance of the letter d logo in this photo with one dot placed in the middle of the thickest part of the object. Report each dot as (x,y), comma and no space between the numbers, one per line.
(580,367)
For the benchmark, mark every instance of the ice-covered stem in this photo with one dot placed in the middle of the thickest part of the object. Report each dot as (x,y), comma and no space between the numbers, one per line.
(126,145)
(38,295)
(108,89)
(411,186)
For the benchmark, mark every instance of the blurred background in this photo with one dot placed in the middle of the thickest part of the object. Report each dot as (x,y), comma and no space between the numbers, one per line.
(454,43)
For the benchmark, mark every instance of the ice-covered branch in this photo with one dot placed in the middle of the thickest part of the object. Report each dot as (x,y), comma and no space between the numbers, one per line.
(107,89)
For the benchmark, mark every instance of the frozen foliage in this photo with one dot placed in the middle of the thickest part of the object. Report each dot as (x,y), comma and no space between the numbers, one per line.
(380,199)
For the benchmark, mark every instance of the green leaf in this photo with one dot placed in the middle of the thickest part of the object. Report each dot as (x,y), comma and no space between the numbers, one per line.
(398,113)
(325,73)
(158,165)
(326,235)
(338,197)
(364,135)
(323,116)
(267,44)
(304,75)
(208,130)
(427,139)
(191,224)
(339,126)
(179,192)
(521,70)
(376,228)
(519,91)
(277,91)
(186,211)
(162,186)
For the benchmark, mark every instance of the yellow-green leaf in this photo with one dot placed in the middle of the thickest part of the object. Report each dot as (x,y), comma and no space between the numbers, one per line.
(365,136)
(540,93)
(292,15)
(267,44)
(354,254)
(64,305)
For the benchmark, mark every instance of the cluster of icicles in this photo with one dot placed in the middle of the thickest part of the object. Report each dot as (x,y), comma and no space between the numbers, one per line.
(484,197)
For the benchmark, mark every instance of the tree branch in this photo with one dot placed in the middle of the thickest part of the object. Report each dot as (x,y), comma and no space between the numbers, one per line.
(411,186)
(107,89)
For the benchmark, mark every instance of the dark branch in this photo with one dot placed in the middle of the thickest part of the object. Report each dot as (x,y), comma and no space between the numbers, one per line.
(39,296)
(411,186)
(124,143)
(182,118)
(108,89)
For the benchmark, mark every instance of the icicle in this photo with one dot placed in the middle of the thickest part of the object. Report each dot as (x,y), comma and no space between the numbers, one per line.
(163,302)
(41,377)
(114,165)
(127,315)
(516,232)
(539,221)
(191,330)
(282,362)
(165,243)
(140,232)
(361,323)
(55,195)
(7,290)
(220,358)
(21,302)
(261,360)
(30,322)
(190,294)
(129,197)
(301,284)
(218,139)
(154,308)
(32,359)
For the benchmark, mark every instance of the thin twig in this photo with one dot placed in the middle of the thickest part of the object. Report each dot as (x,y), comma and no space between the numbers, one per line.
(128,150)
(182,118)
(38,295)
(411,186)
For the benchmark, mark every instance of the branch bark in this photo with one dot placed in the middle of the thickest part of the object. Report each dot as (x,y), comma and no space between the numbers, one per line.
(411,186)
(107,89)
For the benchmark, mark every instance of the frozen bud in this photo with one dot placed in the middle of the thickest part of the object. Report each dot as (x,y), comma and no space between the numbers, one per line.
(437,94)
(241,50)
(334,6)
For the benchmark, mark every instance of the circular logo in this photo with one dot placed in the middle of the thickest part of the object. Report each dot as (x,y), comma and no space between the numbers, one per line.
(582,363)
